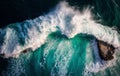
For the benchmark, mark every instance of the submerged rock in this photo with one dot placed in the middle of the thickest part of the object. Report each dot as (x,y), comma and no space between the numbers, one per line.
(27,50)
(106,50)
(15,54)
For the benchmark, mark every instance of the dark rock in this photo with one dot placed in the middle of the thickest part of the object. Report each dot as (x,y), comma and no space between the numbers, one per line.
(106,50)
(27,50)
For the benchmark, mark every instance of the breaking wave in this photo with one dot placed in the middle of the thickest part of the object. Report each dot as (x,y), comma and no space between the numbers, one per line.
(70,22)
(33,34)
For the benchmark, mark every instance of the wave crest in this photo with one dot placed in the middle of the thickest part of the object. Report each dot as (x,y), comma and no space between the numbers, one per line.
(33,33)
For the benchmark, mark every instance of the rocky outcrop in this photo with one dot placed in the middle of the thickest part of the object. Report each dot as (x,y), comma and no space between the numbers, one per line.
(106,50)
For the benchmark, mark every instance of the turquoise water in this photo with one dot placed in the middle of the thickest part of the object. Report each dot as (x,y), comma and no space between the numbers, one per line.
(59,56)
(71,51)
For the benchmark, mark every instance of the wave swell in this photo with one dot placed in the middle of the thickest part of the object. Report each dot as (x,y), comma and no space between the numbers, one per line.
(69,21)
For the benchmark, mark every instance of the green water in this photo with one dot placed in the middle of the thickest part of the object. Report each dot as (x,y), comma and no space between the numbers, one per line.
(59,56)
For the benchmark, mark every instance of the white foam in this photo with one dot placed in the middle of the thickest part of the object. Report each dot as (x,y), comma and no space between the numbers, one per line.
(65,19)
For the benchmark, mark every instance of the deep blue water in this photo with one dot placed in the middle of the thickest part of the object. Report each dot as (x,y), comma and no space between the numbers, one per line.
(58,55)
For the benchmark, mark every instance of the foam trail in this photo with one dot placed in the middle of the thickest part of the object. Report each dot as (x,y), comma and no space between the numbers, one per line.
(62,64)
(96,52)
(33,33)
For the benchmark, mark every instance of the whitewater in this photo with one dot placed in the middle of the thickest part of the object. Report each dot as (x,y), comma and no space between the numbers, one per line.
(70,23)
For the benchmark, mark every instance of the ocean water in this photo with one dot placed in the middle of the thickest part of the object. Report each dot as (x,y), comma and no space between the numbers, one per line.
(61,43)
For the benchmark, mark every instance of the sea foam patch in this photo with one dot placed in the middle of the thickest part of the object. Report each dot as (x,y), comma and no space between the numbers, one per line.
(64,18)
